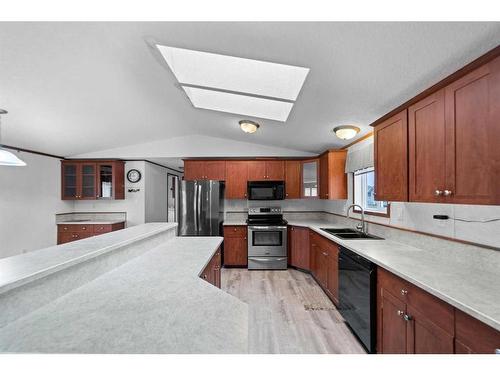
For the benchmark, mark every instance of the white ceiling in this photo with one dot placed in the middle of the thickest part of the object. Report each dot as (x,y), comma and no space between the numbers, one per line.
(75,88)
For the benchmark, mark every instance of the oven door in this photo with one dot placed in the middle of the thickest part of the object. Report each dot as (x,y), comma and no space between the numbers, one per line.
(267,241)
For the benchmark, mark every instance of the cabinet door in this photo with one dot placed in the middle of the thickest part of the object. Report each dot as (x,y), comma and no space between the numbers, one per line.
(299,248)
(236,179)
(275,170)
(215,170)
(309,179)
(235,251)
(87,181)
(392,329)
(424,336)
(426,146)
(257,170)
(323,177)
(472,134)
(193,170)
(473,336)
(70,180)
(333,272)
(292,178)
(391,158)
(322,265)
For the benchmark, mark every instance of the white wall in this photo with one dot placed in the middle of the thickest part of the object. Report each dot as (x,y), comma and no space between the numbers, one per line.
(156,204)
(30,197)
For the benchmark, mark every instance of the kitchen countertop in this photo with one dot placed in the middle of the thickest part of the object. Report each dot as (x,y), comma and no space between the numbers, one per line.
(154,303)
(89,222)
(472,290)
(21,269)
(234,223)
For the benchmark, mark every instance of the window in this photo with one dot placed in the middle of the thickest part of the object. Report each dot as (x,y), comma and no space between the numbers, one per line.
(364,193)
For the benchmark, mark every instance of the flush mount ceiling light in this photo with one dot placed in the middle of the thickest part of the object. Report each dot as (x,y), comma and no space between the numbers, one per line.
(7,158)
(234,84)
(249,126)
(346,131)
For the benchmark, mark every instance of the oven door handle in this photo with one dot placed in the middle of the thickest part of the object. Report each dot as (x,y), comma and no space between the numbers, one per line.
(266,227)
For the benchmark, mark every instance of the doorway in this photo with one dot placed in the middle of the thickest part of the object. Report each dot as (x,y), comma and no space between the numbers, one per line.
(173,189)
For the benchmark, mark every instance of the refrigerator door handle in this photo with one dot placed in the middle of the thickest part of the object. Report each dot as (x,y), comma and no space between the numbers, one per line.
(198,208)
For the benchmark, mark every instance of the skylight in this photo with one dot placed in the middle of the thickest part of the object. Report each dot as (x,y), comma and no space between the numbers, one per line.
(234,84)
(239,104)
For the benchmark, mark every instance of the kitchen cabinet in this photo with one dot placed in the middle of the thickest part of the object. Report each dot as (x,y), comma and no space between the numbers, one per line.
(333,179)
(204,170)
(212,272)
(411,320)
(299,249)
(390,140)
(310,179)
(90,180)
(293,179)
(426,147)
(259,170)
(324,264)
(235,246)
(472,105)
(473,336)
(236,179)
(73,232)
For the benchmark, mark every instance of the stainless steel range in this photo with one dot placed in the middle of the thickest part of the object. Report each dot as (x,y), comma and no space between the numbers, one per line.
(267,239)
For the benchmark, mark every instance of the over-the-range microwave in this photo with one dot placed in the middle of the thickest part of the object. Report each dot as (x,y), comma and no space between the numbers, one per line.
(266,190)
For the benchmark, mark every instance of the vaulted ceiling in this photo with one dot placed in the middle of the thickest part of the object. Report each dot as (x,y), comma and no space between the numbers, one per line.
(76,88)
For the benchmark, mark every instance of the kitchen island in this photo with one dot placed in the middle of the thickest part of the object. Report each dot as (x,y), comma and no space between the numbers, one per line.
(155,302)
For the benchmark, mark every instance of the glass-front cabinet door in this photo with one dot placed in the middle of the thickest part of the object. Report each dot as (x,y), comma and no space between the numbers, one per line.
(88,181)
(105,180)
(310,179)
(70,180)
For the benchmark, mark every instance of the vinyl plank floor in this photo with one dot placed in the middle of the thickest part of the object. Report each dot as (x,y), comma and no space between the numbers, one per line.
(289,313)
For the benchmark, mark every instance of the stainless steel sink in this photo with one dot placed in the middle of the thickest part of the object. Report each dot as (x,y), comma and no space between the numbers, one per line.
(350,234)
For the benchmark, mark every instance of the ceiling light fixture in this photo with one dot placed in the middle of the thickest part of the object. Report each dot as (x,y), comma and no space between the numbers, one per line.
(346,131)
(6,157)
(249,126)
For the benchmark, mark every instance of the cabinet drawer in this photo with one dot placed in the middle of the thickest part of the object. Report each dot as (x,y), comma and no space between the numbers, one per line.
(102,228)
(81,228)
(71,236)
(235,231)
(436,310)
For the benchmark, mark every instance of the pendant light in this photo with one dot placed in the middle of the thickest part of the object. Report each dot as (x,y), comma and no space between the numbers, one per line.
(7,158)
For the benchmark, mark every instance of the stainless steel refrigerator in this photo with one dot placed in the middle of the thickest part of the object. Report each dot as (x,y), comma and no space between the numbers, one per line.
(201,208)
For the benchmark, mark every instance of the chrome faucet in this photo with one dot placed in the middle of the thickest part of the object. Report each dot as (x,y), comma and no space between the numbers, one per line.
(362,226)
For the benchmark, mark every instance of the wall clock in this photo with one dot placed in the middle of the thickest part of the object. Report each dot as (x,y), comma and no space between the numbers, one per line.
(134,176)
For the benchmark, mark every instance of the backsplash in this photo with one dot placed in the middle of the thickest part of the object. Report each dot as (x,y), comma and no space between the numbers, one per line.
(472,223)
(91,216)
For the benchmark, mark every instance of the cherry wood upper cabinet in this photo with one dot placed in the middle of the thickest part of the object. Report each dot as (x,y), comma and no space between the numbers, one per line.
(472,136)
(236,179)
(259,170)
(204,170)
(293,178)
(391,158)
(90,179)
(426,148)
(333,179)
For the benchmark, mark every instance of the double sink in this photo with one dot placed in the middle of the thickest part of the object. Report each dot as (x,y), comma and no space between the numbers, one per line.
(350,234)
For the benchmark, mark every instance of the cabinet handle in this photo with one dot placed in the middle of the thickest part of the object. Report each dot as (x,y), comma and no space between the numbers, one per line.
(404,292)
(407,317)
(400,312)
(291,228)
(438,193)
(447,193)
(244,238)
(205,277)
(325,254)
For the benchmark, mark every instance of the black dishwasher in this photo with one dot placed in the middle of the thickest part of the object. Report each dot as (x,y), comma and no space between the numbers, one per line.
(357,296)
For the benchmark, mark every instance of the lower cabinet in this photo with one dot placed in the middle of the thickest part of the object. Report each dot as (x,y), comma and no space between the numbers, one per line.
(235,246)
(211,273)
(298,248)
(73,232)
(324,264)
(410,320)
